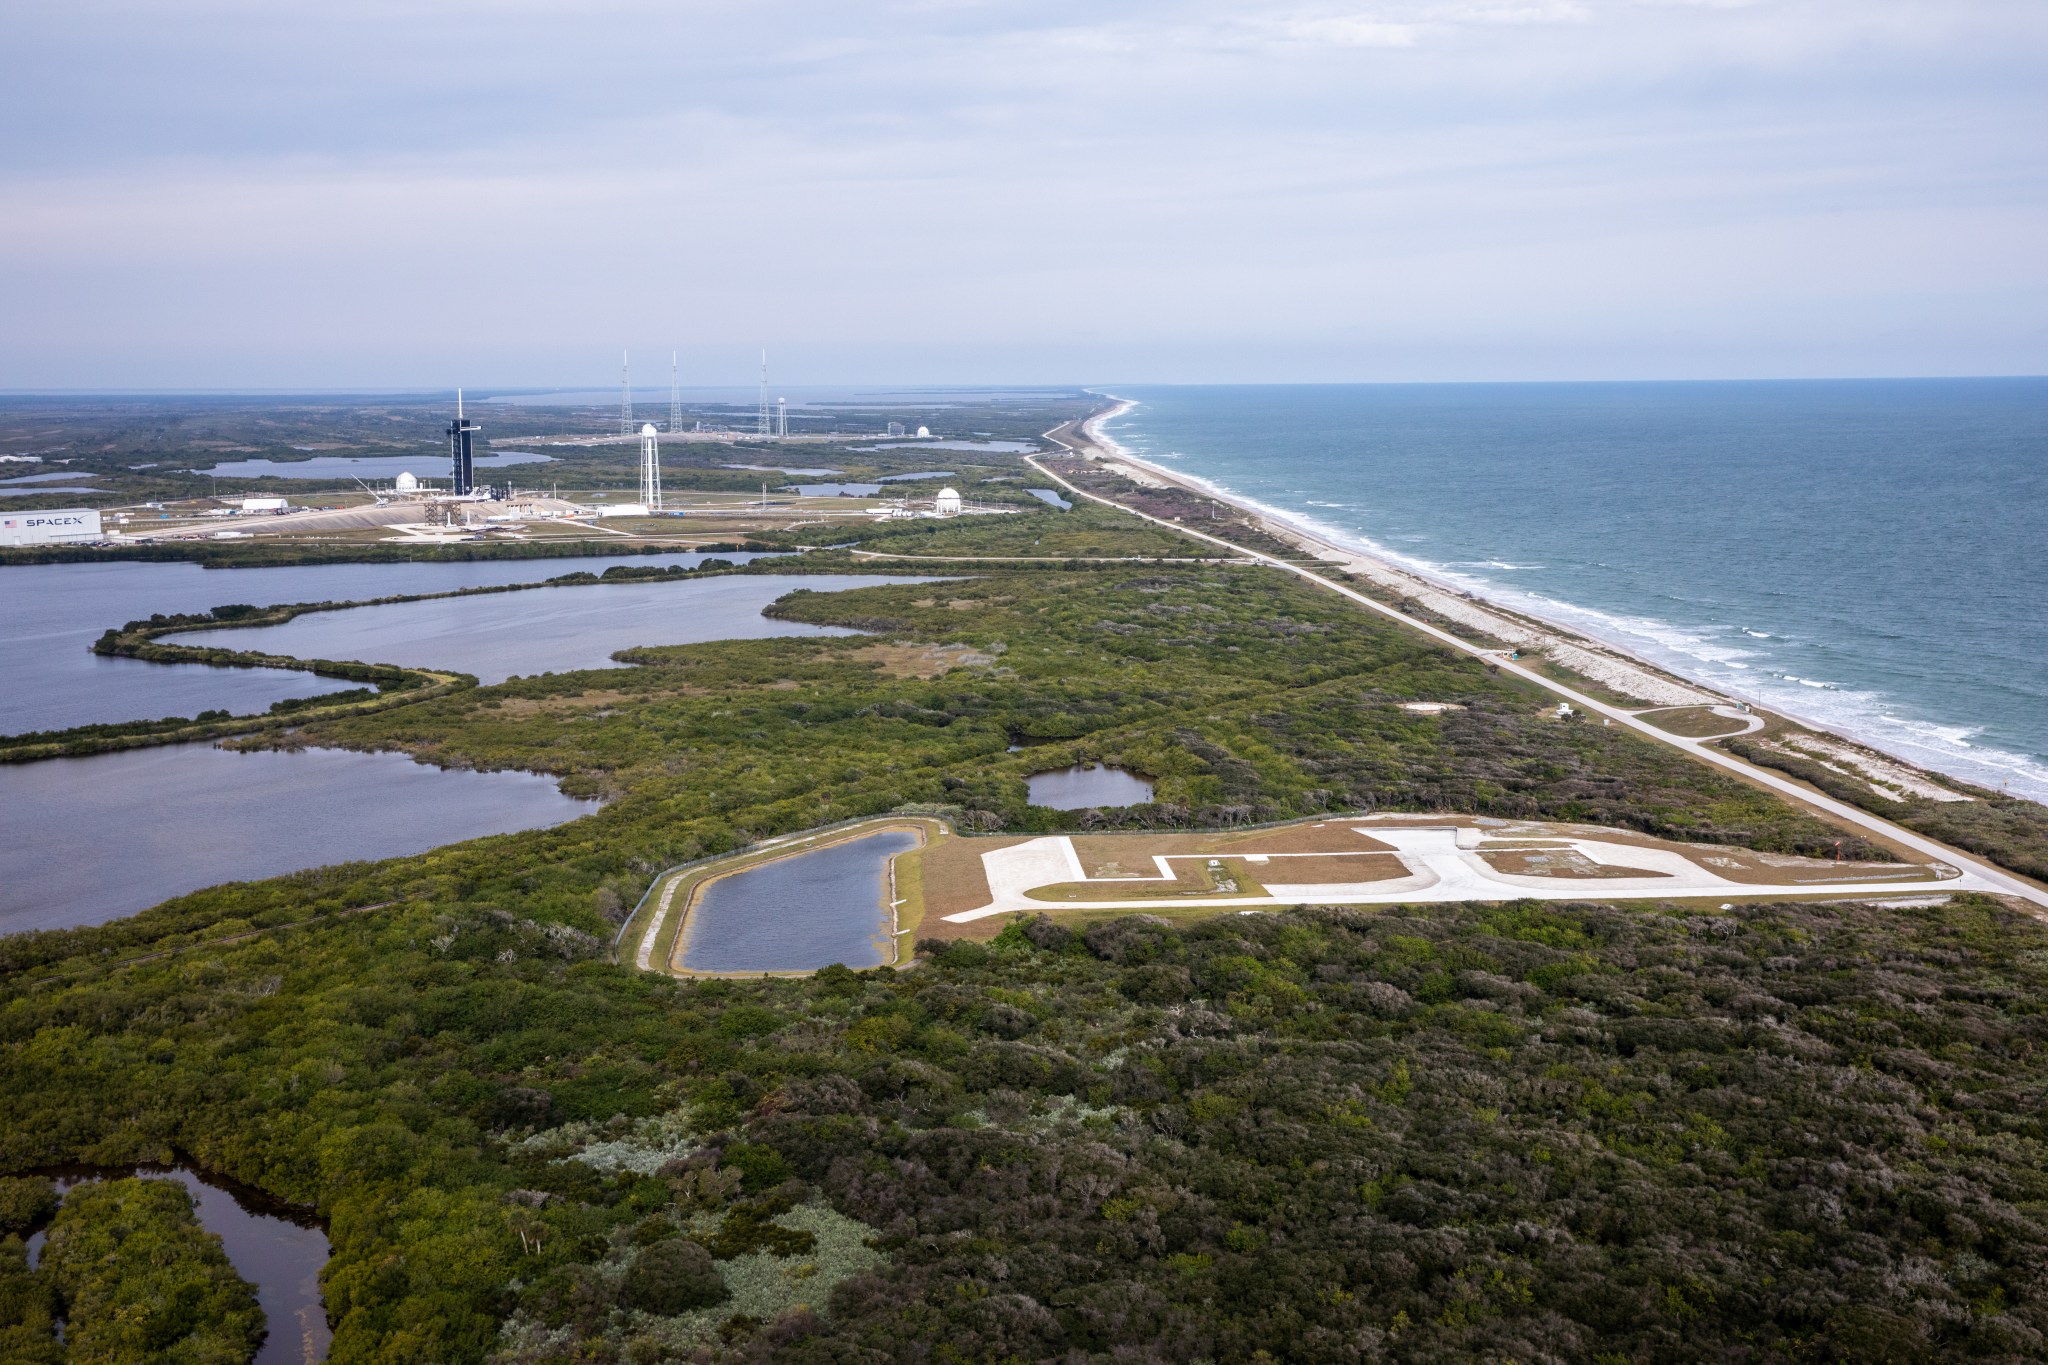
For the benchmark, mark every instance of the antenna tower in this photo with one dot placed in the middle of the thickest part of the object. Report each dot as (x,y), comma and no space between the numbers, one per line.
(625,398)
(761,426)
(675,395)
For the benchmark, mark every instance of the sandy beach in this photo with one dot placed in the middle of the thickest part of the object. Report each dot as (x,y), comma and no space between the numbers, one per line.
(1611,668)
(1600,679)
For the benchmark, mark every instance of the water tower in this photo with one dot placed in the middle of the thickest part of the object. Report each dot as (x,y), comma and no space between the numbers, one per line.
(650,468)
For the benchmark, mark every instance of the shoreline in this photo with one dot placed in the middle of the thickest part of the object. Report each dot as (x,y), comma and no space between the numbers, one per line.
(1583,653)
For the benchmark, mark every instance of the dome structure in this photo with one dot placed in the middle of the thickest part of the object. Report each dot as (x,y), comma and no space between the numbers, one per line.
(647,429)
(406,483)
(947,504)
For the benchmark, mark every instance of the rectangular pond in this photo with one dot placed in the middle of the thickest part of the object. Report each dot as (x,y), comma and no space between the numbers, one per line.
(543,630)
(800,912)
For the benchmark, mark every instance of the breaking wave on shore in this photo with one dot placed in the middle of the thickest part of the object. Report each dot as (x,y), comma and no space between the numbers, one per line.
(1887,688)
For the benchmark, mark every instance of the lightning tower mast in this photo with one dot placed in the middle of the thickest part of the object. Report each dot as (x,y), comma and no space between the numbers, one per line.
(675,395)
(761,425)
(625,398)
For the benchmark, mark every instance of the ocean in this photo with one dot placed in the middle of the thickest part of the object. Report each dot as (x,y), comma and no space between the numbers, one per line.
(1868,556)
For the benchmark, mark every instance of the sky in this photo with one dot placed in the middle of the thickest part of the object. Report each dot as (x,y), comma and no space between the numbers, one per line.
(267,194)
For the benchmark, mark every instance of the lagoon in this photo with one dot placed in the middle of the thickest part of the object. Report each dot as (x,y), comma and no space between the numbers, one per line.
(542,630)
(87,840)
(51,613)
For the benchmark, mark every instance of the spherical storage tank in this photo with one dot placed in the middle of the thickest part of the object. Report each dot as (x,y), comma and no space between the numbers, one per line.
(406,483)
(948,503)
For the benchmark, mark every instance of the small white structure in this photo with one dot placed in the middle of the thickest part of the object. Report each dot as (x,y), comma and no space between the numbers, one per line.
(947,504)
(406,482)
(650,468)
(923,432)
(622,509)
(45,528)
(265,505)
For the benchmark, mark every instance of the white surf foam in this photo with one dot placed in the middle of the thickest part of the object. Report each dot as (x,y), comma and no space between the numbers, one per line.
(1695,653)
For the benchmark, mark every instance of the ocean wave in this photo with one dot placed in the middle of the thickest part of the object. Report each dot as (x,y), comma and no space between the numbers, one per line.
(1703,653)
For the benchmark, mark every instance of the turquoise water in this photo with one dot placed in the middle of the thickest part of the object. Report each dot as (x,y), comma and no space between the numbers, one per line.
(1865,555)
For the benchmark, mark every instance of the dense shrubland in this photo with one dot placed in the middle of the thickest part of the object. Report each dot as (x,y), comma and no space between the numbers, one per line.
(1780,1133)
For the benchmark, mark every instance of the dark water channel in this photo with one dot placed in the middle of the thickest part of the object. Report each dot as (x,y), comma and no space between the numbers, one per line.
(799,913)
(276,1247)
(1086,785)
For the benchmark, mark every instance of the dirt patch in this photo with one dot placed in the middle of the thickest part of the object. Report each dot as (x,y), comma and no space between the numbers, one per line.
(1196,876)
(1693,722)
(920,661)
(1332,869)
(525,708)
(1557,862)
(953,879)
(1321,836)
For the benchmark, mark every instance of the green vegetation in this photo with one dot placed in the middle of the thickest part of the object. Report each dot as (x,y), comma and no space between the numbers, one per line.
(26,1202)
(142,1281)
(2008,830)
(1090,530)
(1564,1132)
(28,1310)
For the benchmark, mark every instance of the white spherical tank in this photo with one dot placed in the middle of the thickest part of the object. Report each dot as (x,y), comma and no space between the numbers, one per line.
(406,483)
(948,502)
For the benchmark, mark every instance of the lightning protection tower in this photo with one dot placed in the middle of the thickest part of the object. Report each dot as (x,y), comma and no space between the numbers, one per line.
(675,395)
(461,453)
(650,468)
(625,397)
(761,424)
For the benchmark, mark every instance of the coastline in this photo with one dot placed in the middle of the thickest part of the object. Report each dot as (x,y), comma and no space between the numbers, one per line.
(1827,782)
(1578,652)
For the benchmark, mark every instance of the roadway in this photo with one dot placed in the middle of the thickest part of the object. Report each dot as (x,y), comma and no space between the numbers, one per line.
(2001,881)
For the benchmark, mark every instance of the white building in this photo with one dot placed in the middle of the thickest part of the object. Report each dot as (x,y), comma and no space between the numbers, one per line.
(947,504)
(50,527)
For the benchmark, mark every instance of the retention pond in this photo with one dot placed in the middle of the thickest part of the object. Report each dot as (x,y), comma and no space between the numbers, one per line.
(800,912)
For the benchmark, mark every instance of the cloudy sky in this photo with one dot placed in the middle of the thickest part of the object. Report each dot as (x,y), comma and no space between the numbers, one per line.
(230,193)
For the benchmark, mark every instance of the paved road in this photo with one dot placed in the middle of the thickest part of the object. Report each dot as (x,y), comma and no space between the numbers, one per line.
(2005,883)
